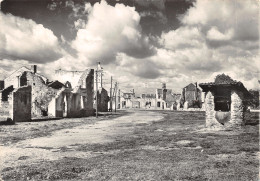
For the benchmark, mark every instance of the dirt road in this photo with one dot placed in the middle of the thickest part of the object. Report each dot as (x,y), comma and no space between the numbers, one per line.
(62,143)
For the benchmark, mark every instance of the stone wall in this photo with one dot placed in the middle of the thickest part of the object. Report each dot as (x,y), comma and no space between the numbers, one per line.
(41,94)
(4,108)
(21,107)
(89,96)
(210,111)
(74,77)
(237,109)
(13,79)
(103,100)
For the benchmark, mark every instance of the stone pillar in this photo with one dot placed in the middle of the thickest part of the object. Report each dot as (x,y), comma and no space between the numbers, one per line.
(178,106)
(185,106)
(210,112)
(237,109)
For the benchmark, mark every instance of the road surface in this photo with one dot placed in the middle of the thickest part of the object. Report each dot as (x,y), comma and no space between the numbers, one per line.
(63,143)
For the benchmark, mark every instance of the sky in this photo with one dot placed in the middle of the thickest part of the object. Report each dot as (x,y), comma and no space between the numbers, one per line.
(141,43)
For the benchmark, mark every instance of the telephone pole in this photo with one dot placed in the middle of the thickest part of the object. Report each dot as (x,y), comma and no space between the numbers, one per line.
(111,94)
(119,98)
(96,93)
(115,94)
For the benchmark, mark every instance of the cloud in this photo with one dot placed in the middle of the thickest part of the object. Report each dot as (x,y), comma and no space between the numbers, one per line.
(24,39)
(183,37)
(214,34)
(109,31)
(215,37)
(225,20)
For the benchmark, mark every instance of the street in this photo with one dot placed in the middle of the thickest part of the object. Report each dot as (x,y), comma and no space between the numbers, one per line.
(137,145)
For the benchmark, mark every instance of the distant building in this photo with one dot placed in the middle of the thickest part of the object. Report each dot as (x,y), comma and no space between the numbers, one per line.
(192,96)
(166,99)
(126,100)
(162,99)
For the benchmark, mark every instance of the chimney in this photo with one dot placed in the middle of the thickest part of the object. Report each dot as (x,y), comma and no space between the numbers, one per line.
(34,68)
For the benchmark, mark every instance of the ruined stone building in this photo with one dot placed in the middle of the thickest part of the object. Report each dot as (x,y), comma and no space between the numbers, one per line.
(166,99)
(20,93)
(75,98)
(192,96)
(126,100)
(225,102)
(25,91)
(148,101)
(162,99)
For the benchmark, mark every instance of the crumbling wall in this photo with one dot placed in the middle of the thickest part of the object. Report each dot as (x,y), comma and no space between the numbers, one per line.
(210,111)
(21,107)
(41,94)
(5,94)
(90,90)
(55,106)
(14,78)
(237,109)
(72,76)
(103,101)
(5,109)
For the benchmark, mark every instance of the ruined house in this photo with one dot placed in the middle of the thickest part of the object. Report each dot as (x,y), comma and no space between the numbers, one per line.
(191,96)
(166,99)
(148,101)
(126,100)
(20,92)
(225,102)
(35,94)
(162,99)
(75,98)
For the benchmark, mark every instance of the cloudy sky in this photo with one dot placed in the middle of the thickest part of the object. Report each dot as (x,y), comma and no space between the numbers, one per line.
(141,43)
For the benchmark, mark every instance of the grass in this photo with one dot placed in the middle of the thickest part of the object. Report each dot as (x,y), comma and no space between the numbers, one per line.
(10,134)
(172,149)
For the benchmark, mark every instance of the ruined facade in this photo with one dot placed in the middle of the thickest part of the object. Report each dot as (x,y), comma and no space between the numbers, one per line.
(103,100)
(27,91)
(75,98)
(163,99)
(16,104)
(191,96)
(225,102)
(166,99)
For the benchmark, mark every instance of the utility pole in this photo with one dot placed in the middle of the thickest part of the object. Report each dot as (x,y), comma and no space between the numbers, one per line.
(111,94)
(96,93)
(119,98)
(115,94)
